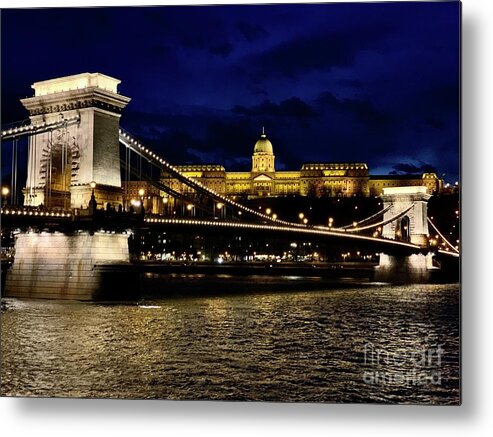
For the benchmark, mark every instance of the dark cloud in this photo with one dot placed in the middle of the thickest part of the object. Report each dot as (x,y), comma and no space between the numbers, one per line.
(360,109)
(218,157)
(293,107)
(255,90)
(191,28)
(352,83)
(223,49)
(319,52)
(404,168)
(392,69)
(251,32)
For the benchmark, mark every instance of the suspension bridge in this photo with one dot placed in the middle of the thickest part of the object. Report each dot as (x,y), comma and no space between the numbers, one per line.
(76,153)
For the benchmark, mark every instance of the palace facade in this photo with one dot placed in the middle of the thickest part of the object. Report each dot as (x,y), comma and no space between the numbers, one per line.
(313,179)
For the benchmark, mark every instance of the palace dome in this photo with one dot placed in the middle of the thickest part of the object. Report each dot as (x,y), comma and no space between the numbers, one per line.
(263,145)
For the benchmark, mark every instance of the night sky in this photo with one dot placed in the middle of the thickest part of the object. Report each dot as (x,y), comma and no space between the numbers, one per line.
(375,83)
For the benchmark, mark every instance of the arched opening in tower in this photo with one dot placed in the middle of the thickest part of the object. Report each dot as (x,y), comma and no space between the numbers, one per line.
(402,230)
(59,170)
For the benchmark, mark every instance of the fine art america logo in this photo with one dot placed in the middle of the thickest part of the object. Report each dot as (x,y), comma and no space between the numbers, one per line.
(407,368)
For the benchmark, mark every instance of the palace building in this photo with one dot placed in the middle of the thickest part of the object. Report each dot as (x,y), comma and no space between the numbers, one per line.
(313,179)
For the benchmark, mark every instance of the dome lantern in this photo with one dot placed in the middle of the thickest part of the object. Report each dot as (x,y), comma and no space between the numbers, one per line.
(263,145)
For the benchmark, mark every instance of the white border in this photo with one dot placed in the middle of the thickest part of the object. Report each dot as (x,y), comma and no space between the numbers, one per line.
(132,418)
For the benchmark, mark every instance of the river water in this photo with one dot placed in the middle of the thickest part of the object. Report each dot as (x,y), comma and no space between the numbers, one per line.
(372,343)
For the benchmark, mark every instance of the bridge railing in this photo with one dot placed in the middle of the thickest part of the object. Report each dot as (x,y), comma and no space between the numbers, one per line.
(36,212)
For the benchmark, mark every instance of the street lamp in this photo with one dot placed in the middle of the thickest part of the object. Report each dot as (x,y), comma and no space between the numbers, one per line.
(219,206)
(305,221)
(268,211)
(274,216)
(93,205)
(166,205)
(301,216)
(5,193)
(141,194)
(190,208)
(331,222)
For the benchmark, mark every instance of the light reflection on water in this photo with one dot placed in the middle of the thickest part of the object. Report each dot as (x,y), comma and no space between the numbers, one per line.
(292,346)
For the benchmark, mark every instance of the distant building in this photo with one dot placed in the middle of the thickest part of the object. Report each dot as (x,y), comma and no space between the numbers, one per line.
(137,192)
(431,181)
(313,179)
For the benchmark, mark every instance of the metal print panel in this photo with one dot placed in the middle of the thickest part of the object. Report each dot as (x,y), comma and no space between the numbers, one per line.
(243,202)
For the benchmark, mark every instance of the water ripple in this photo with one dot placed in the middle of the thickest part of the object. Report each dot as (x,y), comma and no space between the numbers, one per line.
(310,346)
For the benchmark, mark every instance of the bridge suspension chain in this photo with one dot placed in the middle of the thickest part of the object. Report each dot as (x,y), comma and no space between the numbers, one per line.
(382,223)
(442,237)
(34,129)
(130,142)
(136,172)
(367,219)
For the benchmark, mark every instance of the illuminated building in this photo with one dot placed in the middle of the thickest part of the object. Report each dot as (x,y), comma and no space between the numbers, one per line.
(429,180)
(313,179)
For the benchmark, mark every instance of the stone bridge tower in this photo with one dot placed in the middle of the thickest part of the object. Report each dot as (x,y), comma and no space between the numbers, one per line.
(413,225)
(65,162)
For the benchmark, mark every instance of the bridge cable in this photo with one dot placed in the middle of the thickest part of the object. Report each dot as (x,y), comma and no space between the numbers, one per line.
(34,129)
(30,160)
(382,223)
(367,219)
(130,142)
(13,176)
(169,190)
(442,237)
(137,147)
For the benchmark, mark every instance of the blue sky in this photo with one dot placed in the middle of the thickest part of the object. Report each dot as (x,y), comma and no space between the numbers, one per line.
(367,82)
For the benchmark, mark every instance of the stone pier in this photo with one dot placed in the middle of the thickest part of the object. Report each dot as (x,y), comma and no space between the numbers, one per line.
(61,266)
(409,269)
